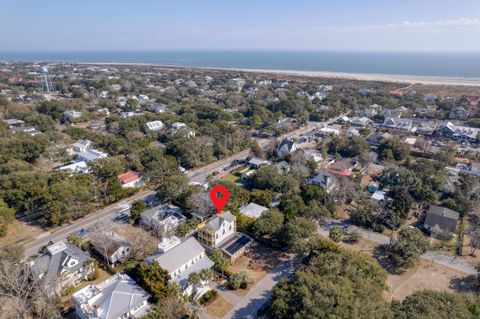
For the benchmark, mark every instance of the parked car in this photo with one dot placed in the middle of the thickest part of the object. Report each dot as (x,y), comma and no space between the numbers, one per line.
(216,173)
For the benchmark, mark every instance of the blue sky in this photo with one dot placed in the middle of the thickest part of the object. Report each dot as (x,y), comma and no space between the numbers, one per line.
(347,25)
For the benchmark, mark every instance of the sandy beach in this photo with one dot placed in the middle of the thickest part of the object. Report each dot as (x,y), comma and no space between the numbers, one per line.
(407,79)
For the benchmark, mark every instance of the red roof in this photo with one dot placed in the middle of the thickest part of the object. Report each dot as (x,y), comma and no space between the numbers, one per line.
(473,99)
(395,92)
(129,177)
(15,79)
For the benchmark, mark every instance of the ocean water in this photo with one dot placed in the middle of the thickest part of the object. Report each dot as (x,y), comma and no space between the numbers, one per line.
(462,65)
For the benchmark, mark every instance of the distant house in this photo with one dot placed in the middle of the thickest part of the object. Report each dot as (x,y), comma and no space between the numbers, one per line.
(360,121)
(324,179)
(455,132)
(164,218)
(76,167)
(71,115)
(112,246)
(156,107)
(352,132)
(18,126)
(220,232)
(131,179)
(155,125)
(392,112)
(430,98)
(426,128)
(329,130)
(439,219)
(372,187)
(179,126)
(458,113)
(237,82)
(395,93)
(256,162)
(473,100)
(376,139)
(180,259)
(253,210)
(90,155)
(118,297)
(314,155)
(343,166)
(379,195)
(62,265)
(399,124)
(286,147)
(283,167)
(473,168)
(81,146)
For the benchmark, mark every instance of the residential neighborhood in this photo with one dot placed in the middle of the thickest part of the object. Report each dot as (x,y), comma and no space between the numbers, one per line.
(105,190)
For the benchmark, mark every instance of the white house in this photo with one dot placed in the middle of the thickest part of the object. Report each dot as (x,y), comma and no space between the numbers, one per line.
(76,167)
(81,146)
(285,147)
(112,246)
(155,125)
(164,218)
(220,232)
(131,179)
(180,259)
(253,210)
(118,297)
(90,155)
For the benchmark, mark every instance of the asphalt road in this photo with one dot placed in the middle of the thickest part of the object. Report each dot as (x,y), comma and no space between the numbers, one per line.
(441,258)
(103,219)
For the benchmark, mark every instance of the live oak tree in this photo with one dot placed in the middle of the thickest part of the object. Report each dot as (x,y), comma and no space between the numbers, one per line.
(428,304)
(7,215)
(155,280)
(138,207)
(341,284)
(405,249)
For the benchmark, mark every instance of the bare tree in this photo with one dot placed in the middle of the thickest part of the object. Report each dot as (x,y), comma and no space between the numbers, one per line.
(22,296)
(201,203)
(299,168)
(160,230)
(102,244)
(141,245)
(474,234)
(346,190)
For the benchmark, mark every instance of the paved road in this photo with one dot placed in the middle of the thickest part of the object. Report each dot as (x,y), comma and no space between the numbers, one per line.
(441,258)
(247,306)
(103,218)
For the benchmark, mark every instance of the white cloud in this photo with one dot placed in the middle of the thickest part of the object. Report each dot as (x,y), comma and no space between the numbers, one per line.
(441,24)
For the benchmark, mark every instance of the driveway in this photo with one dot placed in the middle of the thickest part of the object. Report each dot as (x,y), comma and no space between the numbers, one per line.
(248,306)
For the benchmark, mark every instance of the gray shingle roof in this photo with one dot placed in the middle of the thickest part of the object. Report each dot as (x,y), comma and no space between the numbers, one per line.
(444,218)
(52,264)
(215,223)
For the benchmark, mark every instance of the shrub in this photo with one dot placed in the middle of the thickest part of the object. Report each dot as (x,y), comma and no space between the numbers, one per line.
(208,297)
(353,236)
(238,280)
(336,233)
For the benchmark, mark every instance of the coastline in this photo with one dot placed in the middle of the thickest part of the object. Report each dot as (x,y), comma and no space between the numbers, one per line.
(392,78)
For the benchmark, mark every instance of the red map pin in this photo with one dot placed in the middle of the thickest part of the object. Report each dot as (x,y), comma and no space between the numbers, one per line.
(219,196)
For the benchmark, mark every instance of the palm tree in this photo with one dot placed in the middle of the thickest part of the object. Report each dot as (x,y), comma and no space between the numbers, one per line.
(195,308)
